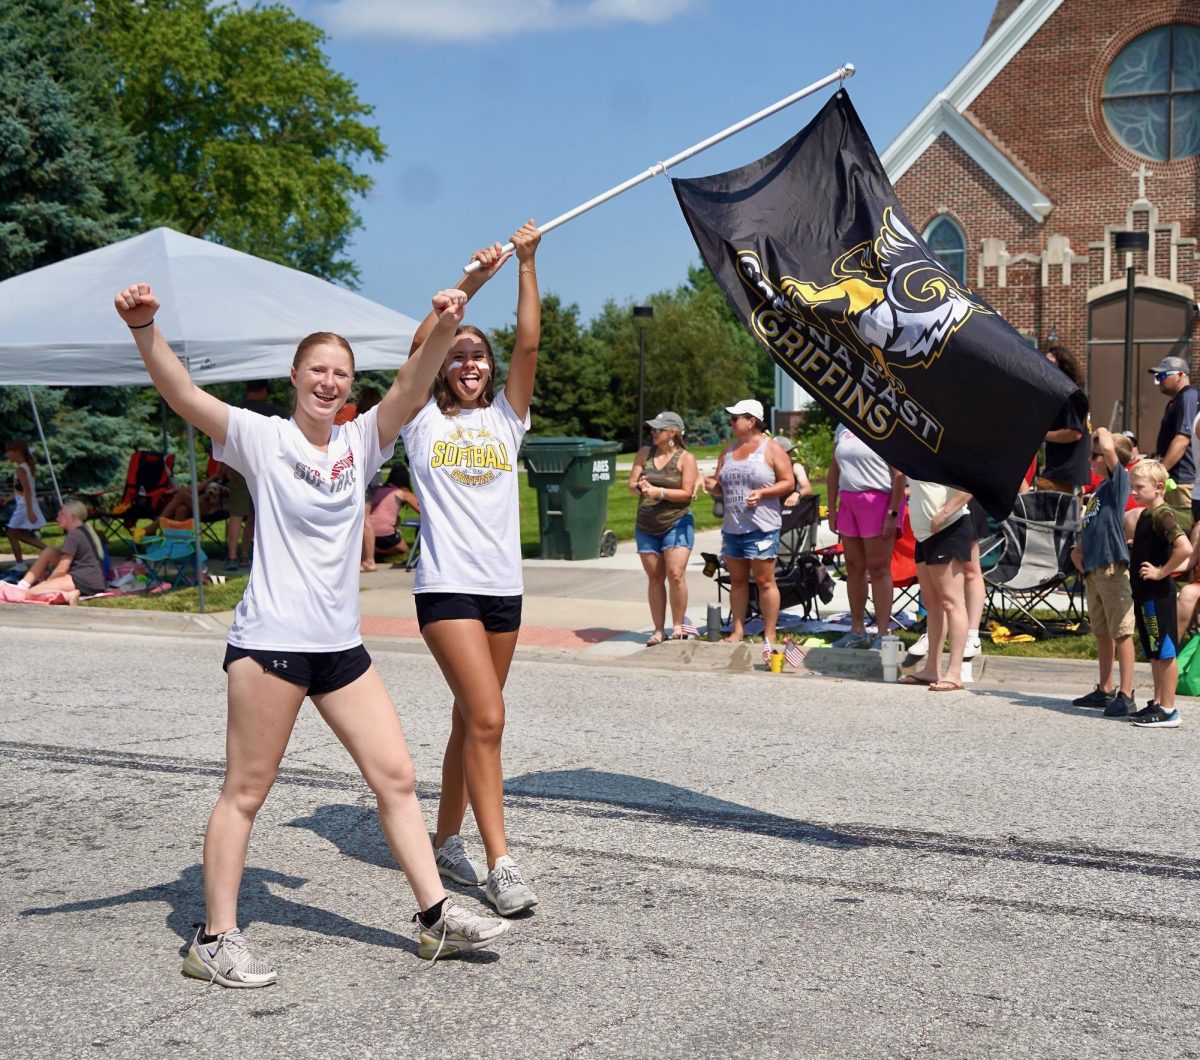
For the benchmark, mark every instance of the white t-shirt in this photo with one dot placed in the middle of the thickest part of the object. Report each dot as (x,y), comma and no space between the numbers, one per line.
(308,518)
(925,500)
(859,468)
(465,470)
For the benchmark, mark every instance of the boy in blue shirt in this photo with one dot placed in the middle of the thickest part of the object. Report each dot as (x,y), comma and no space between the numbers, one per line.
(1102,555)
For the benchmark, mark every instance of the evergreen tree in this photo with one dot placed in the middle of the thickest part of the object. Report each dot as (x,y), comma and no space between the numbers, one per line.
(68,181)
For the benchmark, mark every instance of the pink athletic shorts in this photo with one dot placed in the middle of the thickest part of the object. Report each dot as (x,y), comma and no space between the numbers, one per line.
(862,514)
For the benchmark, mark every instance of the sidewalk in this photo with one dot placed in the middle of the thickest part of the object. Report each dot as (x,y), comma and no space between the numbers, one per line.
(592,611)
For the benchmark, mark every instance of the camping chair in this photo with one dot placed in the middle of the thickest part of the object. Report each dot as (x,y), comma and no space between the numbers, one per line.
(906,591)
(208,523)
(800,576)
(147,489)
(798,533)
(1034,560)
(414,549)
(170,558)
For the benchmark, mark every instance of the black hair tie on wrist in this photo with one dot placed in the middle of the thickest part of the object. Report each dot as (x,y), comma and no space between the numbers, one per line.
(138,327)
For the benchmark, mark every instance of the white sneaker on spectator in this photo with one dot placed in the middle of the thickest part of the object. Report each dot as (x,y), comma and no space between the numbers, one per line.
(973,646)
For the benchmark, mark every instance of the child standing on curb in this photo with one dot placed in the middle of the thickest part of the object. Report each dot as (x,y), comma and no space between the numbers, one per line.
(1102,555)
(1159,549)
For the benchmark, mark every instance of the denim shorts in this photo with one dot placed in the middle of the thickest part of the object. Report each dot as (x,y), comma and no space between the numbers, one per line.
(682,534)
(758,544)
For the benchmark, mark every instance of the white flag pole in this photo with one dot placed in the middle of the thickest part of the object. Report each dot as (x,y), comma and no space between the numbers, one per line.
(841,74)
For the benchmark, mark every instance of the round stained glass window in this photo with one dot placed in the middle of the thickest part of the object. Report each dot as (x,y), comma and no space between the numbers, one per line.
(1151,96)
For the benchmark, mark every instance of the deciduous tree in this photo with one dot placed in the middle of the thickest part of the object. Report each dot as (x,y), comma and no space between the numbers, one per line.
(248,137)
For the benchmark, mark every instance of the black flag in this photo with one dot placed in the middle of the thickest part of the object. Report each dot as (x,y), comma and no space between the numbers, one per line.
(813,251)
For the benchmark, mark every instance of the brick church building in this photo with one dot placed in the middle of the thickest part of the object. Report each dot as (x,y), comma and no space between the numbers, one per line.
(1075,123)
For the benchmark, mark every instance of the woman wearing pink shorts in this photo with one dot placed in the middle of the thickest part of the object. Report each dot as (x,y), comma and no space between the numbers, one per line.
(866,505)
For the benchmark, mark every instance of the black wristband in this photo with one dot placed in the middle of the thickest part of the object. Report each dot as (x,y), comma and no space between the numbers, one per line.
(138,327)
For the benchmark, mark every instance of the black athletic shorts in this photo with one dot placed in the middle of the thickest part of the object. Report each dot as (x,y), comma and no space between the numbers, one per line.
(499,614)
(318,671)
(951,542)
(1156,622)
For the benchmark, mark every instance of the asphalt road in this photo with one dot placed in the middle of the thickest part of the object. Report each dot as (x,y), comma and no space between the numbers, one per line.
(730,865)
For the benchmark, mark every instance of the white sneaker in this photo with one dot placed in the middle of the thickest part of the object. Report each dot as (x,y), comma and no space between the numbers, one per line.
(226,961)
(458,930)
(973,646)
(506,888)
(455,864)
(921,648)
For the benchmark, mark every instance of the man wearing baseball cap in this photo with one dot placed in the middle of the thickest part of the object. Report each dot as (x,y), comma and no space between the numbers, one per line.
(1174,445)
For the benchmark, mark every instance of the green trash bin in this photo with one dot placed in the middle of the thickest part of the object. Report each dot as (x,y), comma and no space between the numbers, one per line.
(572,477)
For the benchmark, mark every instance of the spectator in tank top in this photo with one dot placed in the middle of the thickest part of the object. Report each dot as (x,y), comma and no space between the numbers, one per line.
(753,476)
(664,478)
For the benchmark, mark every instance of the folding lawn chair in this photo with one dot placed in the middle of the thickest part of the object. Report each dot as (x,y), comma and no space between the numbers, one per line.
(147,489)
(799,572)
(798,532)
(208,523)
(1034,559)
(906,592)
(414,549)
(170,558)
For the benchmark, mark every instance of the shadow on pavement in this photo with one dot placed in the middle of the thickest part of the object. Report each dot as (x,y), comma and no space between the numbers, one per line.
(671,802)
(256,904)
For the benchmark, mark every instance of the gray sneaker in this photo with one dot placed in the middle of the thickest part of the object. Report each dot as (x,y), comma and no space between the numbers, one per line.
(853,640)
(457,931)
(454,864)
(226,961)
(506,888)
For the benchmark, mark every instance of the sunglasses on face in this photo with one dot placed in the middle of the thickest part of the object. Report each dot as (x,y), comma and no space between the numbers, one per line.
(1160,376)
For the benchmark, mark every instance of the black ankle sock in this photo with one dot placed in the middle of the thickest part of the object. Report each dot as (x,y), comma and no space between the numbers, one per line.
(432,915)
(206,939)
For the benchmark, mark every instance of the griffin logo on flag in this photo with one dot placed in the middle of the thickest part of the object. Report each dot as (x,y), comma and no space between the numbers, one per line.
(817,258)
(890,306)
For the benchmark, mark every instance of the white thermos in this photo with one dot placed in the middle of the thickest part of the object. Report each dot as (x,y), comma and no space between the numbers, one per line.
(889,655)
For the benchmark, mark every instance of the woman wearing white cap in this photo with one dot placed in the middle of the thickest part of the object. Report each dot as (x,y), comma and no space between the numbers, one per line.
(753,476)
(664,478)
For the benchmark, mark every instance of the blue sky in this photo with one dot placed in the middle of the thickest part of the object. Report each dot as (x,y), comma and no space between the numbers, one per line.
(498,110)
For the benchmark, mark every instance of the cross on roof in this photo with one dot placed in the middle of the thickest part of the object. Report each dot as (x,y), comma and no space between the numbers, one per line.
(1142,173)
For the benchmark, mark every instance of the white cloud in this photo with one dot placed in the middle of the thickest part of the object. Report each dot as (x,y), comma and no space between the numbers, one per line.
(481,20)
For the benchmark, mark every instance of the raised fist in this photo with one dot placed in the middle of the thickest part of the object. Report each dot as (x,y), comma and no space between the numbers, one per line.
(136,305)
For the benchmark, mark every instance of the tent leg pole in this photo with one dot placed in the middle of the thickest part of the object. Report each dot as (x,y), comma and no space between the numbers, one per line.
(191,437)
(45,448)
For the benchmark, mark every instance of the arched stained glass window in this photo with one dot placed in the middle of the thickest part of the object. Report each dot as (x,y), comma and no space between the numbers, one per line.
(1151,95)
(949,246)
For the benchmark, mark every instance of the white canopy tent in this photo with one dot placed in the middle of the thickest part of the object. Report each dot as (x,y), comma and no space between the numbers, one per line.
(230,316)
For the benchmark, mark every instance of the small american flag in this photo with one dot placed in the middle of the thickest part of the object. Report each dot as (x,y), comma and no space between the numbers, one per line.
(766,652)
(687,629)
(793,654)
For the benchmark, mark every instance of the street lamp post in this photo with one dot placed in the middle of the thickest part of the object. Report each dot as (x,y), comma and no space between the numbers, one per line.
(1129,242)
(643,312)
